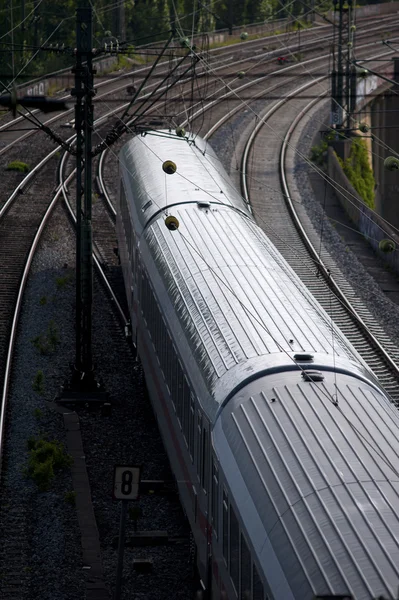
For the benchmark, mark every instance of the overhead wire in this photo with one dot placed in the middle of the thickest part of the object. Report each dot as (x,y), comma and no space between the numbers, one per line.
(187,241)
(327,394)
(335,184)
(50,36)
(334,401)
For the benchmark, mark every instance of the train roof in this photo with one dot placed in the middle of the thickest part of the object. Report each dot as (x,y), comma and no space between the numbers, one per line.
(242,309)
(323,482)
(200,176)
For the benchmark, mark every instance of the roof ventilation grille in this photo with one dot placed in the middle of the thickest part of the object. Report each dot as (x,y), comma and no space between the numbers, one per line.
(203,204)
(146,205)
(312,375)
(303,357)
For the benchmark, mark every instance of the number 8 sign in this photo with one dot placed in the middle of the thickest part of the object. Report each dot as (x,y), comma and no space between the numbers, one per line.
(126,482)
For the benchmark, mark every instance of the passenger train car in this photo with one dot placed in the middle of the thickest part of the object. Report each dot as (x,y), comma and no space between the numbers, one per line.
(284,446)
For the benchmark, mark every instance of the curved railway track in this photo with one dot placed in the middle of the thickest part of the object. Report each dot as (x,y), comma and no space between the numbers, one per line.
(21,227)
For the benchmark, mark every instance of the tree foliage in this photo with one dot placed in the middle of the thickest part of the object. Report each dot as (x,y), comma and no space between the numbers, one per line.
(146,21)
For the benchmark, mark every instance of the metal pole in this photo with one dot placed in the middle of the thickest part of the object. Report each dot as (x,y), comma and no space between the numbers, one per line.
(78,92)
(12,40)
(87,259)
(84,265)
(121,549)
(340,77)
(36,24)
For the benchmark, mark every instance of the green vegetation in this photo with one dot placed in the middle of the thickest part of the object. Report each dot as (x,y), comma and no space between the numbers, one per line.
(123,62)
(53,89)
(43,301)
(62,282)
(318,153)
(47,343)
(70,497)
(147,21)
(37,413)
(357,169)
(45,458)
(19,166)
(38,382)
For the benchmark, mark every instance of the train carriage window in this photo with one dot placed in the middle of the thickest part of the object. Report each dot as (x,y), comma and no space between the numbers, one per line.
(199,445)
(204,460)
(174,377)
(142,290)
(245,584)
(192,427)
(225,508)
(257,585)
(163,349)
(170,364)
(157,329)
(131,248)
(180,403)
(186,409)
(215,499)
(234,548)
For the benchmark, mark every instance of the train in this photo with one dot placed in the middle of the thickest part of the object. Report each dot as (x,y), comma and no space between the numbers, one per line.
(283,444)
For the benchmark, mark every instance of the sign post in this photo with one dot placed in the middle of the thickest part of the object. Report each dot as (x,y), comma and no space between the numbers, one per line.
(126,487)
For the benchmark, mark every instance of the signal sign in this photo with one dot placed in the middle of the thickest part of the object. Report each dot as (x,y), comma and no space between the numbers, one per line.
(126,482)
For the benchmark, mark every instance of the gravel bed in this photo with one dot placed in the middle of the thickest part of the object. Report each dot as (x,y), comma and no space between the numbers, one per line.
(54,565)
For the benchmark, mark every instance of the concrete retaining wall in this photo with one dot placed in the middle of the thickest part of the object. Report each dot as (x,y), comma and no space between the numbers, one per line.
(61,80)
(371,225)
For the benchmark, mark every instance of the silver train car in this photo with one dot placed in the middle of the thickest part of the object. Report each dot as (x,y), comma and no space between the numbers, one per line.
(283,444)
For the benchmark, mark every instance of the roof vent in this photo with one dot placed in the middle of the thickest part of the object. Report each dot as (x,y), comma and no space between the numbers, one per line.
(312,375)
(204,204)
(146,205)
(303,357)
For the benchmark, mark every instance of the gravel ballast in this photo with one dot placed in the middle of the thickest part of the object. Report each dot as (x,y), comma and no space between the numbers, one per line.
(54,568)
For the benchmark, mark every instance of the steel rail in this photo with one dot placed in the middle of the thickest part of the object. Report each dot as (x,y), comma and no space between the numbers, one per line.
(312,250)
(96,260)
(15,319)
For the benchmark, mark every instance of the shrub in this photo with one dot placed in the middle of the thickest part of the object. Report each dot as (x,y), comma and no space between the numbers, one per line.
(52,335)
(39,343)
(47,342)
(18,165)
(70,497)
(61,282)
(38,382)
(37,413)
(318,153)
(45,458)
(357,169)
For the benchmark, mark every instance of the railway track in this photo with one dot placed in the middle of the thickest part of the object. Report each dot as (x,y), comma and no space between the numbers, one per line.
(41,192)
